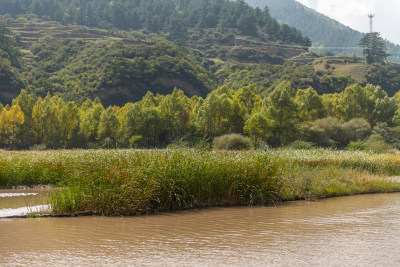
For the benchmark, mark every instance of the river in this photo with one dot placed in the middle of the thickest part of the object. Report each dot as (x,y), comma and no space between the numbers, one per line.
(358,231)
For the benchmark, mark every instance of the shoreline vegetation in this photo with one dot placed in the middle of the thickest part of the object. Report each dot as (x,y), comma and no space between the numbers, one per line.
(135,182)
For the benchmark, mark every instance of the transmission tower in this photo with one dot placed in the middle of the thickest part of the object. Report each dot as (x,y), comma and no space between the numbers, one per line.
(371,18)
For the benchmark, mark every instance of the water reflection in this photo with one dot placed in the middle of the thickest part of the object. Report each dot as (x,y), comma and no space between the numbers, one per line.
(361,230)
(13,199)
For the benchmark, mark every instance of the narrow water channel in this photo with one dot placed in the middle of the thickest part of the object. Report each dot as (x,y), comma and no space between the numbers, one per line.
(23,202)
(360,230)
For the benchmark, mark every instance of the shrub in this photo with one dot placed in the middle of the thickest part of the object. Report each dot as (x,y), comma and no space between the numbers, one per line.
(232,142)
(356,145)
(326,132)
(38,147)
(357,129)
(178,144)
(202,144)
(301,145)
(377,144)
(135,141)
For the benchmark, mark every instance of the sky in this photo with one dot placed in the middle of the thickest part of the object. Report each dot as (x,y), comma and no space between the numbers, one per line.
(354,13)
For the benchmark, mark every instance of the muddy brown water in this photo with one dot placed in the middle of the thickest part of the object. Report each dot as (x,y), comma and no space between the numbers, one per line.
(357,231)
(11,199)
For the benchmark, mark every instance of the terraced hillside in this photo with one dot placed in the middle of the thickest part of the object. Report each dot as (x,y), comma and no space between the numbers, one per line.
(118,66)
(28,33)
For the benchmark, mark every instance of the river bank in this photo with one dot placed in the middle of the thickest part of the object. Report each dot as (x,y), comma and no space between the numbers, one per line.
(133,182)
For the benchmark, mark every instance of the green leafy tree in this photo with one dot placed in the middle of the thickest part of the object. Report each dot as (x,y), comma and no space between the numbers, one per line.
(374,47)
(108,129)
(258,127)
(309,105)
(46,117)
(8,50)
(142,125)
(213,115)
(369,102)
(174,110)
(282,110)
(248,97)
(354,103)
(69,124)
(25,137)
(89,123)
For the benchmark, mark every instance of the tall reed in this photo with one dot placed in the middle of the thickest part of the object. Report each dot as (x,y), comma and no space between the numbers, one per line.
(129,183)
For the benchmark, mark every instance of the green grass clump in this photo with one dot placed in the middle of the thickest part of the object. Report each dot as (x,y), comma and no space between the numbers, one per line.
(311,183)
(232,142)
(32,168)
(379,164)
(139,182)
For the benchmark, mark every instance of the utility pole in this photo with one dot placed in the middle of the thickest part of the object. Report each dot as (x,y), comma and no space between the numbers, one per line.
(371,17)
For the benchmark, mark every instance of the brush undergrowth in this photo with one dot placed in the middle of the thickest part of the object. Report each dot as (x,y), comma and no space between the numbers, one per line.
(131,182)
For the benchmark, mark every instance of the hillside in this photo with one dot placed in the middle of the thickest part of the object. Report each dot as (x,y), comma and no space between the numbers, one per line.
(120,66)
(78,62)
(119,50)
(322,30)
(173,18)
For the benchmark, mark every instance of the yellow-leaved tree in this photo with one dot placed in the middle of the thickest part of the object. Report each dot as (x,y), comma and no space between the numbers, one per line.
(10,119)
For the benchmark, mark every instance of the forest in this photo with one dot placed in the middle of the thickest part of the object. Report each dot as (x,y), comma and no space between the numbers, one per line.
(180,78)
(170,16)
(357,118)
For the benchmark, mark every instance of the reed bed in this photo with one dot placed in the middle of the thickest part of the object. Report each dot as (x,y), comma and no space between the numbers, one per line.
(138,182)
(380,164)
(132,182)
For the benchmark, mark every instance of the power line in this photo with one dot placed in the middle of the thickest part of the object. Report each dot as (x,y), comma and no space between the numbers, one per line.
(307,47)
(337,47)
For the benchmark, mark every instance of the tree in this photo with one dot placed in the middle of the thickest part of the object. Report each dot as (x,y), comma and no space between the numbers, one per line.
(108,128)
(248,97)
(8,50)
(10,118)
(214,114)
(90,122)
(309,104)
(354,103)
(142,125)
(46,121)
(374,47)
(69,123)
(283,112)
(258,127)
(174,110)
(247,23)
(369,102)
(25,137)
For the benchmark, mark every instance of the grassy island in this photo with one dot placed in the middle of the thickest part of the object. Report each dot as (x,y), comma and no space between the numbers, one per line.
(132,182)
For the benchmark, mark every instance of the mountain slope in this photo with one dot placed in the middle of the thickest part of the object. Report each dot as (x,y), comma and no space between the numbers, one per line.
(322,30)
(118,50)
(170,17)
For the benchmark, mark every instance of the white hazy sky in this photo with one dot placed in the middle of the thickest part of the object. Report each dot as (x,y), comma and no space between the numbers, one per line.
(354,13)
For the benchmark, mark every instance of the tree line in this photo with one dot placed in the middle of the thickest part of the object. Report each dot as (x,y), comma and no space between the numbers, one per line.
(156,121)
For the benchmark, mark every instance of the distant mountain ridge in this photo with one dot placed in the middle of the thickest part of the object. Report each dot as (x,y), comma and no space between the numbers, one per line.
(323,31)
